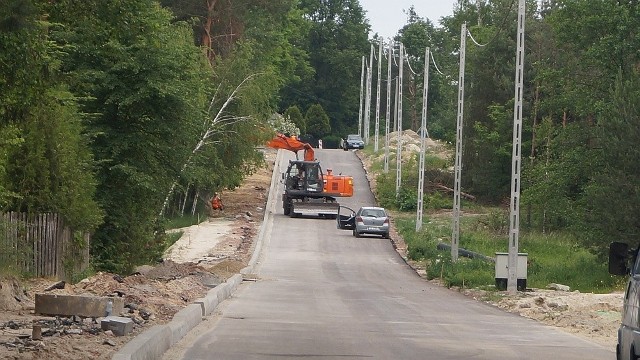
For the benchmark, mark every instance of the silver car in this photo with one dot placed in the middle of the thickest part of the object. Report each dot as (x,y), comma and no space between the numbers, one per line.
(367,220)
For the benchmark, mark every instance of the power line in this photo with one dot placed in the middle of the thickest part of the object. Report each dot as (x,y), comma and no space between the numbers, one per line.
(495,36)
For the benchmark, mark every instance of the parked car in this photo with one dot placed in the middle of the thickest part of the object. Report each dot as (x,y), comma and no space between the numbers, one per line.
(367,220)
(353,141)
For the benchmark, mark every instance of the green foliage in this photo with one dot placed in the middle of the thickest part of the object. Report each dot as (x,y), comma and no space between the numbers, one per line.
(317,121)
(294,115)
(186,220)
(407,199)
(437,200)
(143,85)
(610,199)
(333,36)
(577,268)
(45,161)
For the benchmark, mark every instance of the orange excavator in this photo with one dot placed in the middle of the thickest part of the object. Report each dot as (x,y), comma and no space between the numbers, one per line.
(307,190)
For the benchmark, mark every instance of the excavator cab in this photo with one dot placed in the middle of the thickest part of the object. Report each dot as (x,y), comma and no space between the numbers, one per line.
(303,177)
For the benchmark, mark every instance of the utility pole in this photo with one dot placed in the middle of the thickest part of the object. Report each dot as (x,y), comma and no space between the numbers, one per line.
(514,219)
(455,237)
(399,109)
(423,142)
(377,127)
(367,112)
(361,99)
(387,113)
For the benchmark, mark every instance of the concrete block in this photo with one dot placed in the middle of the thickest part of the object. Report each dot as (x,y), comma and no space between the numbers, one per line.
(202,302)
(120,326)
(149,345)
(214,292)
(234,282)
(223,292)
(246,270)
(79,305)
(183,321)
(208,304)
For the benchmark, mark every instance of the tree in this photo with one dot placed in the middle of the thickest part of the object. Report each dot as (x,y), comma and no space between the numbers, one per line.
(317,121)
(335,41)
(294,115)
(610,201)
(45,161)
(143,87)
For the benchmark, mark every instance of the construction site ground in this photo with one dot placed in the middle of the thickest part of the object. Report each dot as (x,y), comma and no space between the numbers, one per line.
(208,254)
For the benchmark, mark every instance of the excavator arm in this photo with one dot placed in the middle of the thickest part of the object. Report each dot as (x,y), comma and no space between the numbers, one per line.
(291,143)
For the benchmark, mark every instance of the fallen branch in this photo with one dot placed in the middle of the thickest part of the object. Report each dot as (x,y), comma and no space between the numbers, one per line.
(448,189)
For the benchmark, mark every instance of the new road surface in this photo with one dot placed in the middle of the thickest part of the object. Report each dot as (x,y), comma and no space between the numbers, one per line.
(321,293)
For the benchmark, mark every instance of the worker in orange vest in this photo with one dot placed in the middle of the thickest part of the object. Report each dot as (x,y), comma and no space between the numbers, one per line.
(216,202)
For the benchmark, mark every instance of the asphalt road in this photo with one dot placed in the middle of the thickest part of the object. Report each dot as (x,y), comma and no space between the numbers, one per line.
(323,294)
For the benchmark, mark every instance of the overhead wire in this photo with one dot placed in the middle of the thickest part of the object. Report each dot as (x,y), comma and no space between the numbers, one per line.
(495,36)
(408,63)
(434,63)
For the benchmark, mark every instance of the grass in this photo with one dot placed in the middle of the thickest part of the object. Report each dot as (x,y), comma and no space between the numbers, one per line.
(185,220)
(552,258)
(170,238)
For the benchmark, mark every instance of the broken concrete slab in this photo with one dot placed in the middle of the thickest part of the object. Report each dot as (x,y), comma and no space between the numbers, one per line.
(119,325)
(79,305)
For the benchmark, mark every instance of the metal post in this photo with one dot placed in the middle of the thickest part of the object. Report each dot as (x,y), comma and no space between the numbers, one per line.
(455,237)
(388,111)
(514,218)
(399,109)
(361,98)
(377,127)
(423,142)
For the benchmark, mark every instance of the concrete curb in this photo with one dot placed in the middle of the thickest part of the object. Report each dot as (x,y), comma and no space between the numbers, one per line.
(154,342)
(183,321)
(149,345)
(268,215)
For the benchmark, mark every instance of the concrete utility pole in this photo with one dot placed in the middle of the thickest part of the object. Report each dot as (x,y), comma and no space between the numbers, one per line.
(423,142)
(455,237)
(388,110)
(367,112)
(377,127)
(514,218)
(399,109)
(361,98)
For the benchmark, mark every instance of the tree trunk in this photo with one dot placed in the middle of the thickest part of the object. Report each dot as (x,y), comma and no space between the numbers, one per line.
(207,39)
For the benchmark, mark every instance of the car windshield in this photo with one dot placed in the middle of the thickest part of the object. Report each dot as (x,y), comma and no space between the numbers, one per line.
(354,137)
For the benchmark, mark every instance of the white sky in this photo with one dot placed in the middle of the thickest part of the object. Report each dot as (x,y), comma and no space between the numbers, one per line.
(386,17)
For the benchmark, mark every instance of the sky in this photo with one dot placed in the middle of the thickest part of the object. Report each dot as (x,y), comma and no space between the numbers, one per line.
(386,17)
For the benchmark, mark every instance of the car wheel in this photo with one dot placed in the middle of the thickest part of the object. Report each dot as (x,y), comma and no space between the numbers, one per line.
(385,236)
(355,233)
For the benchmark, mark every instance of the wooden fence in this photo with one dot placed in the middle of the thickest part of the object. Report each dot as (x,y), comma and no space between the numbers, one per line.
(41,245)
